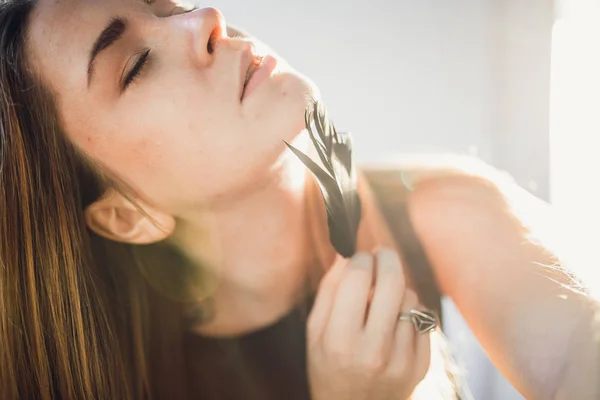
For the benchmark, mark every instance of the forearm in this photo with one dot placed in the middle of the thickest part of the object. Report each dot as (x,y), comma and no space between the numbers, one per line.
(556,293)
(543,335)
(526,315)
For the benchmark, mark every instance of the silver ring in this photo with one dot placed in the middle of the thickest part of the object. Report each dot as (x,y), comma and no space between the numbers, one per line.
(424,320)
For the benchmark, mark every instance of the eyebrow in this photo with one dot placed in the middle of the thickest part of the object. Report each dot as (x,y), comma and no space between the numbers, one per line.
(113,31)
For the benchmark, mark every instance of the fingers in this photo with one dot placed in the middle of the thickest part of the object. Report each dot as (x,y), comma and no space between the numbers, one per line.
(387,297)
(319,315)
(403,350)
(359,343)
(350,304)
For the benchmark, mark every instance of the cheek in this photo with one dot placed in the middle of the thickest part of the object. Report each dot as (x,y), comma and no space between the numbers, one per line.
(133,161)
(173,167)
(194,147)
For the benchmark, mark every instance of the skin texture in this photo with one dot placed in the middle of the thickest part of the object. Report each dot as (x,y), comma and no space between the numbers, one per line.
(198,159)
(172,134)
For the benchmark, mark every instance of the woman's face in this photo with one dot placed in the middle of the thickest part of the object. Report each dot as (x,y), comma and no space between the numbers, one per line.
(156,94)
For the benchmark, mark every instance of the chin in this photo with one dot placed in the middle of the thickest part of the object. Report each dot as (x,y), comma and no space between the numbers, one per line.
(295,92)
(278,112)
(299,87)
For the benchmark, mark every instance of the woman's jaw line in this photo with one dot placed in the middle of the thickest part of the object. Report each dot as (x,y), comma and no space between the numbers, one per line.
(272,216)
(284,180)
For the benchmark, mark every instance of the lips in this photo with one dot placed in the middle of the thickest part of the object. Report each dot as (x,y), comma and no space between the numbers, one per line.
(252,68)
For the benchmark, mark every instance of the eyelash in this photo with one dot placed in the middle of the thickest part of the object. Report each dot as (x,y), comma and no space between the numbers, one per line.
(137,69)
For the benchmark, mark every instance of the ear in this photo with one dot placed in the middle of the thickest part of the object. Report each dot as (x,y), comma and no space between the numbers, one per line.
(116,218)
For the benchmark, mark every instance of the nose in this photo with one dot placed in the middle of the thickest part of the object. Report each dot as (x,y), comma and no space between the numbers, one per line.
(211,29)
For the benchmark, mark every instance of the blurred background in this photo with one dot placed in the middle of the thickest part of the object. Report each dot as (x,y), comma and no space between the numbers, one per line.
(513,82)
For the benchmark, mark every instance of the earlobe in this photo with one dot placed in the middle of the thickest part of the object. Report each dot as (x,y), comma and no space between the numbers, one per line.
(116,218)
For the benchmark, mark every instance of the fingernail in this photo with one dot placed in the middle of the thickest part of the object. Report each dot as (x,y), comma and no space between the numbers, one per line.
(362,260)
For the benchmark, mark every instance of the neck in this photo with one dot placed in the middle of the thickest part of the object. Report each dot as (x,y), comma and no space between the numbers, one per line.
(259,244)
(266,242)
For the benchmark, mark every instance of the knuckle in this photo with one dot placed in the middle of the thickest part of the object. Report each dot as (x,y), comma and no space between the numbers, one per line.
(398,371)
(341,358)
(373,363)
(339,352)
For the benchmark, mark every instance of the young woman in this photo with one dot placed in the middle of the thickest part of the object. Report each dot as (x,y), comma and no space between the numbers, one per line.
(158,240)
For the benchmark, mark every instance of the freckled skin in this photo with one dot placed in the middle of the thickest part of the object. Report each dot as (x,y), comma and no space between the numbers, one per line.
(179,134)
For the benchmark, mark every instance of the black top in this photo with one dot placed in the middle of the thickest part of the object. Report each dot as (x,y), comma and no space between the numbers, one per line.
(269,363)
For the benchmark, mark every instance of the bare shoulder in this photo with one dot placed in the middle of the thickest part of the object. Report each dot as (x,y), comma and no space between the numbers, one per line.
(457,188)
(466,200)
(416,169)
(466,192)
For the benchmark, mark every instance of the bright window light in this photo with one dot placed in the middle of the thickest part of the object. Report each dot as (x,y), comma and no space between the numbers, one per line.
(575,128)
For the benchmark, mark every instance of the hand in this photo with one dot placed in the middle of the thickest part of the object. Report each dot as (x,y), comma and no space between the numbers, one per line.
(358,350)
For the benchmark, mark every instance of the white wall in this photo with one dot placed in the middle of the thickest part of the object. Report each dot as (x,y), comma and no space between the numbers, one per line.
(521,128)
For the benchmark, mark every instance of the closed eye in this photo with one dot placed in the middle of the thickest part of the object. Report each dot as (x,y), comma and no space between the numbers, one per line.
(142,60)
(136,70)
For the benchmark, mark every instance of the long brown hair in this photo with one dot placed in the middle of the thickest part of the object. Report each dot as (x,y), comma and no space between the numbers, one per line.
(73,307)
